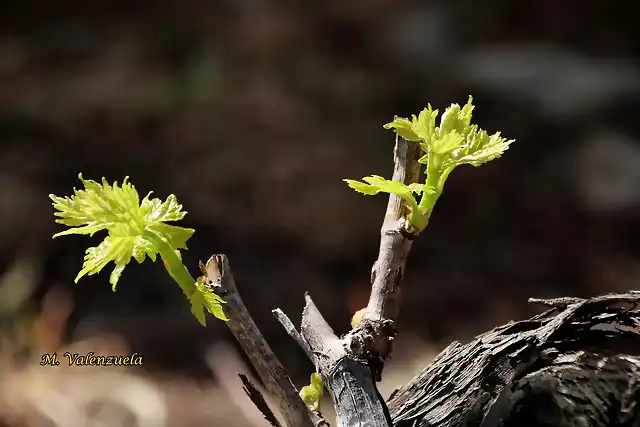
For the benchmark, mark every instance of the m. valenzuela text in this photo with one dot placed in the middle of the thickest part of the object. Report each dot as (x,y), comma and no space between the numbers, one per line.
(92,359)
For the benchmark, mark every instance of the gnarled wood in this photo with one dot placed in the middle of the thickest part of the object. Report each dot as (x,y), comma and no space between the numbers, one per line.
(349,382)
(577,364)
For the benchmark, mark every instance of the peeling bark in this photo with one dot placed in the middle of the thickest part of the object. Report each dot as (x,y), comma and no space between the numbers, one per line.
(577,364)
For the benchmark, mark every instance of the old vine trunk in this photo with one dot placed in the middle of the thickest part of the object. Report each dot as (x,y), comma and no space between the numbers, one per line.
(577,364)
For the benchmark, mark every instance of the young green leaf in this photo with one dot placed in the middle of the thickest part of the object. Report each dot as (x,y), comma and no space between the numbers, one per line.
(455,142)
(133,228)
(421,128)
(375,184)
(479,148)
(204,299)
(425,124)
(97,207)
(456,119)
(136,229)
(311,394)
(447,143)
(404,128)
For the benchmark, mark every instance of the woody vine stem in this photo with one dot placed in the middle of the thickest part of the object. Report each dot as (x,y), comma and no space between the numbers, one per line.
(348,366)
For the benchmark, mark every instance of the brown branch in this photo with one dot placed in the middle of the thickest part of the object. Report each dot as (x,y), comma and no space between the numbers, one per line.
(396,238)
(274,376)
(372,338)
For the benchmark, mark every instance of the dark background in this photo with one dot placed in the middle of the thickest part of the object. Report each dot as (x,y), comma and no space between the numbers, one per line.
(252,111)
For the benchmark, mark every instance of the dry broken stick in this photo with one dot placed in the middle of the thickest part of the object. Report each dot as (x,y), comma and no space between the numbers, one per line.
(218,276)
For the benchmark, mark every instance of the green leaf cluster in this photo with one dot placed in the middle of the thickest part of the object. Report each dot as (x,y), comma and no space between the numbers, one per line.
(453,143)
(375,184)
(311,394)
(136,229)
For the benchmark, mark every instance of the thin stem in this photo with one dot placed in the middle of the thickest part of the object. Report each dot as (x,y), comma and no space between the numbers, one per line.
(395,241)
(428,201)
(174,266)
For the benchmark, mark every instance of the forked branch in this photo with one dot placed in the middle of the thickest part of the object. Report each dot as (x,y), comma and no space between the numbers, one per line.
(350,365)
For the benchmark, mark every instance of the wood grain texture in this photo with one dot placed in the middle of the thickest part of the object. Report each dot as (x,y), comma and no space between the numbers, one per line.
(577,364)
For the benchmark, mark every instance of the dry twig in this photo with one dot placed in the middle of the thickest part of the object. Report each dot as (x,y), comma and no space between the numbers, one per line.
(244,329)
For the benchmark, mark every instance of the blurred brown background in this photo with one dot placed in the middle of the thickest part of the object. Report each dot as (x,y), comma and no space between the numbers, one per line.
(251,112)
